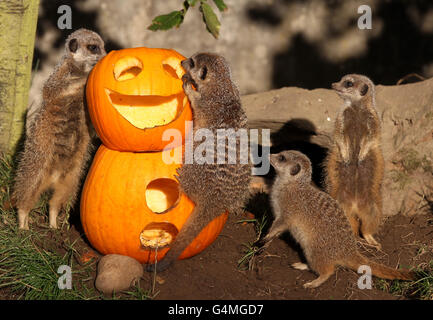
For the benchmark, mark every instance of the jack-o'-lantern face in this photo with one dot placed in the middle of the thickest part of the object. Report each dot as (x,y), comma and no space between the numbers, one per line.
(134,95)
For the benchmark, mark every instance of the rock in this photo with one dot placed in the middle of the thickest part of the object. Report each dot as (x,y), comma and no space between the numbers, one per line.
(295,114)
(116,273)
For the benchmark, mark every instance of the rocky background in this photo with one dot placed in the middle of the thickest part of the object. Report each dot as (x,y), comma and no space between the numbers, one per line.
(308,44)
(269,43)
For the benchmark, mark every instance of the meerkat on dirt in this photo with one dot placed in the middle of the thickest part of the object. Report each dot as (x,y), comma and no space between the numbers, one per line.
(354,165)
(59,135)
(214,188)
(316,222)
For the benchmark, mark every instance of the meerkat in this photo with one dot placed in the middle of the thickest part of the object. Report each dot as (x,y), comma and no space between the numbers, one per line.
(57,145)
(354,165)
(214,188)
(316,222)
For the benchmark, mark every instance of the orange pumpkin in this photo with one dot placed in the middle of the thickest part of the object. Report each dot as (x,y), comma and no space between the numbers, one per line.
(134,95)
(131,204)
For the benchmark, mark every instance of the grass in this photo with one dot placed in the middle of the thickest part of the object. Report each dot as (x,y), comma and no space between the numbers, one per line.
(29,260)
(29,271)
(258,204)
(246,262)
(419,289)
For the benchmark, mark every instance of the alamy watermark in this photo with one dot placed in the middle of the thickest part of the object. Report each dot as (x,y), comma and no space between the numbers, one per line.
(242,146)
(364,281)
(65,280)
(364,21)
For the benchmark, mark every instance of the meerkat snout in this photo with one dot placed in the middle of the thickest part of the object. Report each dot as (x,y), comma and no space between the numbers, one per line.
(188,64)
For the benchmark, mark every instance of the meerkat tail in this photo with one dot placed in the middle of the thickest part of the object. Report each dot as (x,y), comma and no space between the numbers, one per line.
(199,218)
(380,270)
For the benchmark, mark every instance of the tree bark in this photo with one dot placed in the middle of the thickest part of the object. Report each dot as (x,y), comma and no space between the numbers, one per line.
(17,35)
(406,111)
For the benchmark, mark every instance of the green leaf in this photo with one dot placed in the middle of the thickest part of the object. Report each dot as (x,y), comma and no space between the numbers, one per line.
(220,5)
(167,21)
(211,20)
(191,2)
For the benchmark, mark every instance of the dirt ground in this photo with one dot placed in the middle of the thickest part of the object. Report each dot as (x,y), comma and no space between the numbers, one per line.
(214,274)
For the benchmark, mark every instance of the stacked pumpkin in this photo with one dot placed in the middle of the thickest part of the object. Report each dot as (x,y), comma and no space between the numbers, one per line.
(131,203)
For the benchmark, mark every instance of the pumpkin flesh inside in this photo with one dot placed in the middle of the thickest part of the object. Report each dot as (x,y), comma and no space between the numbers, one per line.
(147,111)
(162,195)
(158,235)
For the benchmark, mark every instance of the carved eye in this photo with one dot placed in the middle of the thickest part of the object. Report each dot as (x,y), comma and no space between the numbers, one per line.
(348,84)
(203,73)
(281,158)
(73,45)
(93,48)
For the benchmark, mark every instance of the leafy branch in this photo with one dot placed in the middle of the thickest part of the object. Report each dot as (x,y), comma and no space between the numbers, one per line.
(175,18)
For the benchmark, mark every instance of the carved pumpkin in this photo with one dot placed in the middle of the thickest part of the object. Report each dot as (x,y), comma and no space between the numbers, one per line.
(131,204)
(134,95)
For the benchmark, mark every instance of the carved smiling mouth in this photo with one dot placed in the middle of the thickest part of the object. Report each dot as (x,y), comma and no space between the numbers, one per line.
(147,111)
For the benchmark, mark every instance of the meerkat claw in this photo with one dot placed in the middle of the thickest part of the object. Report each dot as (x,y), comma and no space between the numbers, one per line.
(300,266)
(370,240)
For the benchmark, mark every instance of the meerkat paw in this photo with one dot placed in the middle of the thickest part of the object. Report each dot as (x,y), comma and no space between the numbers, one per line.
(188,88)
(317,282)
(159,266)
(23,220)
(53,219)
(300,266)
(370,240)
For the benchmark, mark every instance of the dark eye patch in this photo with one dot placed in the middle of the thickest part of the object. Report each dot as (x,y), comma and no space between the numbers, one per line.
(73,45)
(281,158)
(364,90)
(295,169)
(203,73)
(191,63)
(93,48)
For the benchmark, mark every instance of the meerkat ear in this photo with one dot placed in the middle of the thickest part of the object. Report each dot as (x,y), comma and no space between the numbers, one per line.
(73,45)
(295,169)
(364,89)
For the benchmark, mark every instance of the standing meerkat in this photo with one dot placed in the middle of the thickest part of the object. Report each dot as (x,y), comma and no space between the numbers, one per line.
(316,222)
(58,138)
(214,188)
(355,165)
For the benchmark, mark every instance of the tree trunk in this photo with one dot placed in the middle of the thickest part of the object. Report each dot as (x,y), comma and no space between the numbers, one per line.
(17,35)
(295,114)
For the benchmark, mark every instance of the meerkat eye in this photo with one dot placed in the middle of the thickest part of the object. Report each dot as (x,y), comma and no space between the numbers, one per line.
(281,158)
(191,63)
(93,48)
(348,84)
(295,169)
(203,73)
(73,45)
